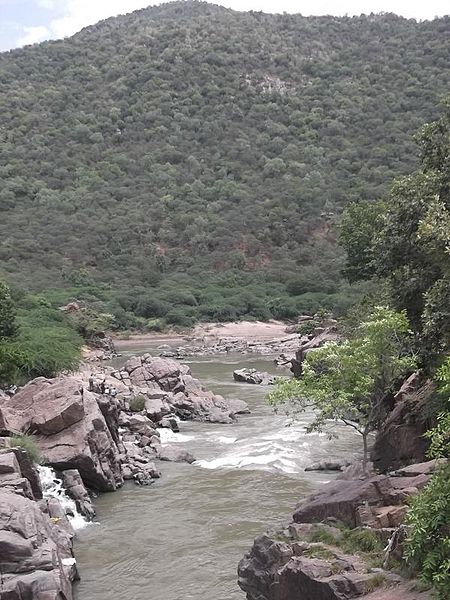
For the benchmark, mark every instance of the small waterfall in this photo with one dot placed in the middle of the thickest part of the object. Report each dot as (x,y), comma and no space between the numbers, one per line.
(52,487)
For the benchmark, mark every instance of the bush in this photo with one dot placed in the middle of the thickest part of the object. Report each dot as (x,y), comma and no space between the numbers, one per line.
(137,403)
(27,443)
(428,545)
(155,325)
(361,540)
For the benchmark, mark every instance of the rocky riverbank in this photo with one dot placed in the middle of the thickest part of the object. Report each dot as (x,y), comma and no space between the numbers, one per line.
(346,541)
(95,441)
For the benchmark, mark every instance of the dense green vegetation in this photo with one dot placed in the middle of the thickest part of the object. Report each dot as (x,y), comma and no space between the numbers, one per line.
(35,339)
(350,382)
(428,546)
(189,162)
(405,242)
(403,245)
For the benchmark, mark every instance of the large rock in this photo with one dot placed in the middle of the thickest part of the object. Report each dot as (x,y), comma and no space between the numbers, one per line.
(173,453)
(70,429)
(300,568)
(36,560)
(74,486)
(253,376)
(400,440)
(278,571)
(341,499)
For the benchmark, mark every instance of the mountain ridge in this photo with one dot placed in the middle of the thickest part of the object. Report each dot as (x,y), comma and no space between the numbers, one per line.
(187,143)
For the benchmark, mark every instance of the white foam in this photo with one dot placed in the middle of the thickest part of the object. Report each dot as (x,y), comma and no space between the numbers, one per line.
(168,436)
(52,487)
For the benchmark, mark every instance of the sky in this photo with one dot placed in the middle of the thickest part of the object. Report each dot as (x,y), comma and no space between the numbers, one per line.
(30,21)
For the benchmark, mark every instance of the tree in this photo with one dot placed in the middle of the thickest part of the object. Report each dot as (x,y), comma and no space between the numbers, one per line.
(428,543)
(8,325)
(407,243)
(350,382)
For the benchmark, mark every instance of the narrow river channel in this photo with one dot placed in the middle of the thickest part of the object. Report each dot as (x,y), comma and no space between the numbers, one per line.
(182,538)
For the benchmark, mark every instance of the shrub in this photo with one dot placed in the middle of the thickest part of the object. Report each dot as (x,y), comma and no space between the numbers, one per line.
(137,403)
(361,540)
(428,545)
(27,443)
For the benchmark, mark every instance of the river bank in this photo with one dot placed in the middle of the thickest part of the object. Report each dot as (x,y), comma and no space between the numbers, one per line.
(198,519)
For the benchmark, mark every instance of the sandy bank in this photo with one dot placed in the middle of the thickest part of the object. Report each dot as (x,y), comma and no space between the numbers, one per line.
(255,331)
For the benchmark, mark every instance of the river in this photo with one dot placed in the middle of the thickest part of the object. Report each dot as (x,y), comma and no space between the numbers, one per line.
(182,537)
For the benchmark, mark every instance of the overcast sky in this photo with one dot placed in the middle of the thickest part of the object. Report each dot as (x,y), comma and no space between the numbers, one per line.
(30,21)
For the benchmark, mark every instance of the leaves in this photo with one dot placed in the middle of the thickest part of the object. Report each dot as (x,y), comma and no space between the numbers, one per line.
(350,381)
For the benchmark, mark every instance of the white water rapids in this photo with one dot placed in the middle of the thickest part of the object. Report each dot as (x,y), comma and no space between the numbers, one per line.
(52,487)
(182,538)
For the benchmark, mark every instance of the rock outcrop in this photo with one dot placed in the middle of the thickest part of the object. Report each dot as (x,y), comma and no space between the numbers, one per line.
(253,376)
(36,557)
(306,560)
(400,439)
(69,428)
(168,388)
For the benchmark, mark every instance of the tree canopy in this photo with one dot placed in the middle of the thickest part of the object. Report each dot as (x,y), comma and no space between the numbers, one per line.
(405,240)
(190,146)
(351,381)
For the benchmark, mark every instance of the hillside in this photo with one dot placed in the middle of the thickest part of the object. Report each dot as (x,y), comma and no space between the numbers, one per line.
(194,156)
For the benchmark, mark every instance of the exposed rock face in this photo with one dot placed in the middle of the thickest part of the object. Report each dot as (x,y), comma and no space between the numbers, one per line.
(173,453)
(300,568)
(253,376)
(36,559)
(169,389)
(400,440)
(70,429)
(75,489)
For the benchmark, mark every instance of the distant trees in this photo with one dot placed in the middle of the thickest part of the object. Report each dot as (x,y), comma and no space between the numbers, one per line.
(225,145)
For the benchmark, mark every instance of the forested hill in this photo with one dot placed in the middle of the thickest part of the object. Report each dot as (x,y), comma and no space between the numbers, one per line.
(189,145)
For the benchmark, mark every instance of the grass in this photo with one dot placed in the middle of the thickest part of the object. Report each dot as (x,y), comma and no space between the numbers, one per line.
(374,582)
(319,552)
(361,540)
(27,443)
(322,536)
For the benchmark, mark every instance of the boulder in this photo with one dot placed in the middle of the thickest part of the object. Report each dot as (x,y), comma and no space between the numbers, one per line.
(33,549)
(75,489)
(76,437)
(279,571)
(253,376)
(400,440)
(341,499)
(174,453)
(156,408)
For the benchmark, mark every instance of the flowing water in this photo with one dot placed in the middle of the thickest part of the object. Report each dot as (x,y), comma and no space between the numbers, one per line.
(182,538)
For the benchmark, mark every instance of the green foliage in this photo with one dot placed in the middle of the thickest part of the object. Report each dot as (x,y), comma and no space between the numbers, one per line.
(374,582)
(322,536)
(8,325)
(406,241)
(137,403)
(361,540)
(320,552)
(27,443)
(350,381)
(428,545)
(190,146)
(44,344)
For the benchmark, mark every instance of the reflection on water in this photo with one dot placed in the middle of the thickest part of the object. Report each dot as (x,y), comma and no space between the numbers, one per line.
(182,538)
